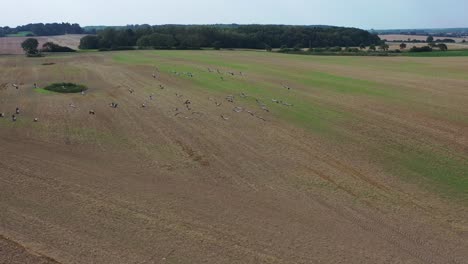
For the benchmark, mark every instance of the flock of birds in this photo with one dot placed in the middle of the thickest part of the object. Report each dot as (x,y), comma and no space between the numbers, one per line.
(228,98)
(187,103)
(14,116)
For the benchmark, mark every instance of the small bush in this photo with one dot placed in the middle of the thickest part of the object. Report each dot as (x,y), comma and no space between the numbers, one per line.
(284,49)
(297,48)
(217,45)
(421,49)
(335,49)
(352,50)
(34,55)
(319,50)
(66,88)
(52,47)
(442,47)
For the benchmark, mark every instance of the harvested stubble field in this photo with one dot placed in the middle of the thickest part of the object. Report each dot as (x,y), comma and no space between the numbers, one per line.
(452,47)
(399,37)
(12,45)
(316,160)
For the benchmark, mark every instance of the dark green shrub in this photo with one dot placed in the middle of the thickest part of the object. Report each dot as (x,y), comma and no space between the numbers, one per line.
(217,45)
(352,50)
(442,47)
(319,50)
(66,88)
(298,47)
(421,49)
(89,42)
(52,47)
(335,49)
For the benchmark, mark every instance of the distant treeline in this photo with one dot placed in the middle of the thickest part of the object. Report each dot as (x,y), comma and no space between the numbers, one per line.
(422,41)
(40,29)
(227,36)
(444,32)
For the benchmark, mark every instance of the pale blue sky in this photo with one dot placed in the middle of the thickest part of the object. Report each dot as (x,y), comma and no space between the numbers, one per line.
(358,13)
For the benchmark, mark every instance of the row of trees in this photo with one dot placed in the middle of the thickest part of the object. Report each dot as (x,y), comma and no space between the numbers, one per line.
(440,46)
(445,40)
(40,29)
(383,48)
(227,36)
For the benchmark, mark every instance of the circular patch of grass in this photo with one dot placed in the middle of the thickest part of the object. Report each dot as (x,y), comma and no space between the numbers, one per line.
(66,88)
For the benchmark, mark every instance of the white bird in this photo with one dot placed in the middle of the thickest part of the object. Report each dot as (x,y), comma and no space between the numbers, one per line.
(238,109)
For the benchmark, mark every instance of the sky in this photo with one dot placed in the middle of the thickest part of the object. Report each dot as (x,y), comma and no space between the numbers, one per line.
(366,14)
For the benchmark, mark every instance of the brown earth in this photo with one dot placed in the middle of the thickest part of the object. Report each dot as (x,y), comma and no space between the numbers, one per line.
(14,253)
(144,185)
(12,45)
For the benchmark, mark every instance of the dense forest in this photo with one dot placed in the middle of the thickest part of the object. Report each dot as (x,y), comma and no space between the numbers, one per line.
(40,29)
(197,36)
(227,36)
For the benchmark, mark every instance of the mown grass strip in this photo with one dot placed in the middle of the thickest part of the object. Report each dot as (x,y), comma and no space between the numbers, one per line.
(450,53)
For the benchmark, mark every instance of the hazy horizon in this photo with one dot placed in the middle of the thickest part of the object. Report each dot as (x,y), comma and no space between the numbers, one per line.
(364,14)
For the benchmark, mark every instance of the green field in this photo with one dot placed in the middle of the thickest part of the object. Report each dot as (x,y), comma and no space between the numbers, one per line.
(20,34)
(324,86)
(449,53)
